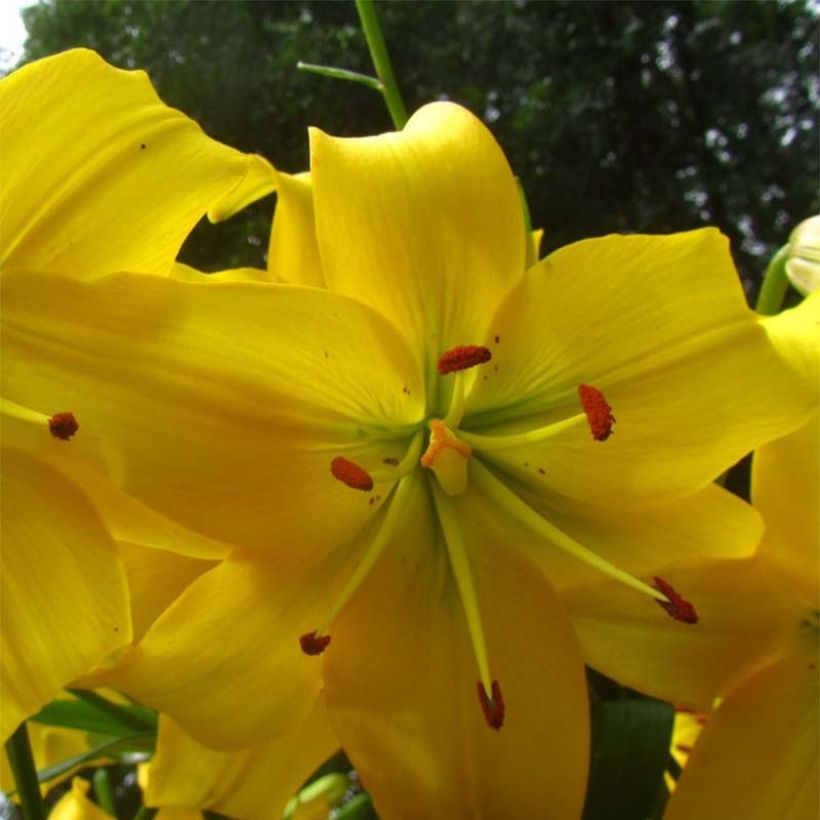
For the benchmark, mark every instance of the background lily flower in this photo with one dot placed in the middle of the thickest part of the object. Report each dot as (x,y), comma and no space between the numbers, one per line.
(758,754)
(98,175)
(410,458)
(256,782)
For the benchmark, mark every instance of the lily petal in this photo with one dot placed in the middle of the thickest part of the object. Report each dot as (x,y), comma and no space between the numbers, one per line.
(253,782)
(711,523)
(660,326)
(100,175)
(425,225)
(74,805)
(234,688)
(222,405)
(293,253)
(747,618)
(400,684)
(786,489)
(757,756)
(64,602)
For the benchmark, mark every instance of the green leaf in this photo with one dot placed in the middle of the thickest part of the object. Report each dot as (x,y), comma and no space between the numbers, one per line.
(359,807)
(109,748)
(98,715)
(630,749)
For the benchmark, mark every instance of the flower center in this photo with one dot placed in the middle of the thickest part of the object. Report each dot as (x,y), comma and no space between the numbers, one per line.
(457,458)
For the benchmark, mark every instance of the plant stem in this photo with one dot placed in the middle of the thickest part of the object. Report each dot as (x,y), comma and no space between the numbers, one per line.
(775,283)
(381,62)
(21,760)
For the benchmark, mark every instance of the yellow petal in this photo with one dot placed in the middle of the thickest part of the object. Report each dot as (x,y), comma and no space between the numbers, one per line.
(746,616)
(82,463)
(425,225)
(254,782)
(185,273)
(711,523)
(293,254)
(757,756)
(786,490)
(64,602)
(660,326)
(224,659)
(156,578)
(400,683)
(260,179)
(74,805)
(220,405)
(99,174)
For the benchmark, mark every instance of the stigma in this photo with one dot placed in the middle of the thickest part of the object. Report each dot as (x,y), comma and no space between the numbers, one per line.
(447,456)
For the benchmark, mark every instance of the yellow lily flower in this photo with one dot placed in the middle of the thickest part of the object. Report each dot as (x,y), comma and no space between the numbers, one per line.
(75,805)
(98,176)
(758,755)
(411,458)
(256,782)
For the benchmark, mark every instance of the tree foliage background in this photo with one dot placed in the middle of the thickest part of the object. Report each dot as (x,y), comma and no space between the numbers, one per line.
(617,116)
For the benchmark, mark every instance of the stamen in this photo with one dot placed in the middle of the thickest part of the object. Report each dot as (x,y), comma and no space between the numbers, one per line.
(351,474)
(462,357)
(318,639)
(677,606)
(460,565)
(512,504)
(63,425)
(492,706)
(313,643)
(598,412)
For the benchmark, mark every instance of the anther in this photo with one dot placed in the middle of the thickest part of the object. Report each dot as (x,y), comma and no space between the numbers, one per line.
(63,425)
(598,412)
(462,358)
(677,607)
(351,474)
(313,644)
(492,706)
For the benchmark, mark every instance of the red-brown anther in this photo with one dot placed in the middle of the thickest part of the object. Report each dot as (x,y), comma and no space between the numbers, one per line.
(677,606)
(463,357)
(493,707)
(313,644)
(63,425)
(598,412)
(351,474)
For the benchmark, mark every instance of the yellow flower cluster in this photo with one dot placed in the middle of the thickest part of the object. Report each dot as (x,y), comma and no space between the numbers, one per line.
(393,492)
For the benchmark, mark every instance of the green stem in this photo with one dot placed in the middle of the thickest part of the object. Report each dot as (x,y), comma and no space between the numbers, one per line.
(21,760)
(775,283)
(144,813)
(104,792)
(381,62)
(113,709)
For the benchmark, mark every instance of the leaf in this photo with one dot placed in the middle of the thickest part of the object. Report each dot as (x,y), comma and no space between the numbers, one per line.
(111,747)
(630,749)
(100,716)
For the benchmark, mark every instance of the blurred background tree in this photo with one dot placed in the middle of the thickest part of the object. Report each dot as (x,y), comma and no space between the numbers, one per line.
(617,116)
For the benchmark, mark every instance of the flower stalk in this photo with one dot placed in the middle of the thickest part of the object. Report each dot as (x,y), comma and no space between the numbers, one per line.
(381,62)
(21,760)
